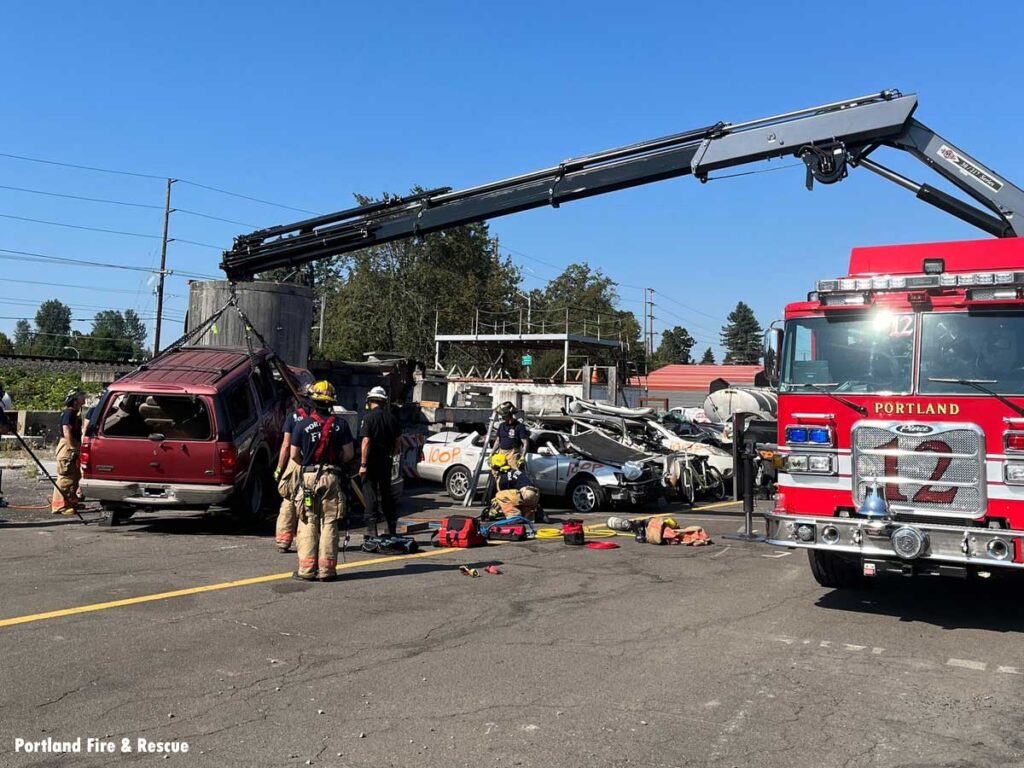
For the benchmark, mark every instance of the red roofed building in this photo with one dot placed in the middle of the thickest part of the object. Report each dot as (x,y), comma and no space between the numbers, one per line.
(687,385)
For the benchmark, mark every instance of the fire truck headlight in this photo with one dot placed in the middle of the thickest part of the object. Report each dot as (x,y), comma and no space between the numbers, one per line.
(1015,473)
(819,463)
(796,463)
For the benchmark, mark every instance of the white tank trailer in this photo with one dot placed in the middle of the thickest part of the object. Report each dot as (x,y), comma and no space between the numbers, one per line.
(719,406)
(282,312)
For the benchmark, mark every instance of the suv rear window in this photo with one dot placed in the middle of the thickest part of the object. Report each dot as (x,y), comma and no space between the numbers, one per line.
(176,417)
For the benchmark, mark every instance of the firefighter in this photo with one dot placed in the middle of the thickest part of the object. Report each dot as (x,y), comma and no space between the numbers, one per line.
(513,437)
(321,445)
(67,494)
(378,443)
(513,491)
(287,475)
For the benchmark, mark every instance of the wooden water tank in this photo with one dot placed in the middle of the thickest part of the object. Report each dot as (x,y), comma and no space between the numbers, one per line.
(281,312)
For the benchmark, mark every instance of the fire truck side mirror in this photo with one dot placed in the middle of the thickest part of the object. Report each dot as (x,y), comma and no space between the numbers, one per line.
(771,346)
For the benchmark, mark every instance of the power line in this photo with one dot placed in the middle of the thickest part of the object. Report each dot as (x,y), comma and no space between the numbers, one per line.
(246,197)
(40,257)
(686,306)
(127,203)
(104,289)
(97,169)
(81,197)
(193,242)
(79,226)
(208,216)
(82,167)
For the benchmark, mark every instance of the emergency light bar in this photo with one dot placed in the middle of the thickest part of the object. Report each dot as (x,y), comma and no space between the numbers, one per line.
(906,282)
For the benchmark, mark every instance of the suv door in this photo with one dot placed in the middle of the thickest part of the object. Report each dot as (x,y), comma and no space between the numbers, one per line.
(241,412)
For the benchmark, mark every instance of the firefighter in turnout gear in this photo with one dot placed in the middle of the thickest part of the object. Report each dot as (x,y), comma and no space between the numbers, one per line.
(511,492)
(512,439)
(287,477)
(378,443)
(321,445)
(69,472)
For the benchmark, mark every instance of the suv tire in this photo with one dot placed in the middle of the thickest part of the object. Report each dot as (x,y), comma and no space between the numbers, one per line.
(832,571)
(116,514)
(252,501)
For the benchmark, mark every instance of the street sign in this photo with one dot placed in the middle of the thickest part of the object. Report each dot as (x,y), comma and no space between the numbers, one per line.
(527,360)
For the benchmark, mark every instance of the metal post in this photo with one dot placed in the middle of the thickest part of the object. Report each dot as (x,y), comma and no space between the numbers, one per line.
(437,344)
(163,269)
(323,303)
(746,479)
(476,325)
(565,363)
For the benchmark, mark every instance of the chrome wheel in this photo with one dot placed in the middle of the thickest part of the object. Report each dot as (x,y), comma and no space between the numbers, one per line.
(458,483)
(584,498)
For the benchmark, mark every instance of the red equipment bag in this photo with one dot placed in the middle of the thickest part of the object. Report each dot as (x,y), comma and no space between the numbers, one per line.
(515,532)
(572,532)
(460,531)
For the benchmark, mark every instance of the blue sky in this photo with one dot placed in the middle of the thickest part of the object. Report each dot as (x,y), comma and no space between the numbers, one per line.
(307,103)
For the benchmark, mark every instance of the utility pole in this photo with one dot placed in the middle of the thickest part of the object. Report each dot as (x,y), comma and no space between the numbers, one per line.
(163,270)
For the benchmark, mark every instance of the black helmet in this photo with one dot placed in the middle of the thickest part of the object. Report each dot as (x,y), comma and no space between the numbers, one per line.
(506,409)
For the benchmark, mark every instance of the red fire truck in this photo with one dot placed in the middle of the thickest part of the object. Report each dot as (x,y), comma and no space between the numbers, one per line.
(900,416)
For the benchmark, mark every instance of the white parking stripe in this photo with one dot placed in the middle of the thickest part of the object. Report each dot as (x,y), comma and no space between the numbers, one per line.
(980,666)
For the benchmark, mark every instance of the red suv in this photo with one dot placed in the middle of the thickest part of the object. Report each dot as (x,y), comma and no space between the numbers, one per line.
(197,427)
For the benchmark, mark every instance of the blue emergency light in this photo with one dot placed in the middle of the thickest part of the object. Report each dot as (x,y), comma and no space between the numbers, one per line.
(819,435)
(796,434)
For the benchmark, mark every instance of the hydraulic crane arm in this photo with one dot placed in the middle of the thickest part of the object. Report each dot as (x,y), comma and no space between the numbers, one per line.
(828,138)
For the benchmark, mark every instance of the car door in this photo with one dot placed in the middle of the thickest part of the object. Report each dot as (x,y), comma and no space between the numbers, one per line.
(246,428)
(542,462)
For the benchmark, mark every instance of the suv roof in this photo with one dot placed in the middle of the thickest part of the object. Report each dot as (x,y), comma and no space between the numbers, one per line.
(195,370)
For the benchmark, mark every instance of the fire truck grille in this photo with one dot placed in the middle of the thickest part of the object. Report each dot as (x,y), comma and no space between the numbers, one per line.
(935,468)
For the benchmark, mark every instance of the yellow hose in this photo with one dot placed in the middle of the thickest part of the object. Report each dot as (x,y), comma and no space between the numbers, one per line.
(595,532)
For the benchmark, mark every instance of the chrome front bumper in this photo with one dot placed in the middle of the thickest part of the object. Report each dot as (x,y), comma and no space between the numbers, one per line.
(941,544)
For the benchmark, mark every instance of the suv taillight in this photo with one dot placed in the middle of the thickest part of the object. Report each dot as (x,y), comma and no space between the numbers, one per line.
(228,462)
(85,455)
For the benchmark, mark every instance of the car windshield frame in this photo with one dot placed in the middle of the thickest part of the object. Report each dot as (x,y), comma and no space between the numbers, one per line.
(881,343)
(980,346)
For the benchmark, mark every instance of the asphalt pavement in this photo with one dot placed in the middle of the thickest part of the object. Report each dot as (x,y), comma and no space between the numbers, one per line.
(182,629)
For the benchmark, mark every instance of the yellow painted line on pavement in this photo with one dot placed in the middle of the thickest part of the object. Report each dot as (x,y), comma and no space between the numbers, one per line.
(205,588)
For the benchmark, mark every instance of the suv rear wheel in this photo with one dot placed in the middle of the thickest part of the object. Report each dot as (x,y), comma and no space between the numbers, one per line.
(115,514)
(252,501)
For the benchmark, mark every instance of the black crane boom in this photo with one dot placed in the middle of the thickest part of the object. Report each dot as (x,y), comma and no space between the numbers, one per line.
(829,138)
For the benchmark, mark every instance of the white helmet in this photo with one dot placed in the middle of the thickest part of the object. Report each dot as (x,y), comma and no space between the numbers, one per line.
(377,393)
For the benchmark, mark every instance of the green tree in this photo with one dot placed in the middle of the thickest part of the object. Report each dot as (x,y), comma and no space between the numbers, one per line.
(590,300)
(22,337)
(741,337)
(387,297)
(676,345)
(708,358)
(53,327)
(114,336)
(6,345)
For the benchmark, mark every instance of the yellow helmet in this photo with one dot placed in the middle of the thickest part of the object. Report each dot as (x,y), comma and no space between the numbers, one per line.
(499,462)
(322,392)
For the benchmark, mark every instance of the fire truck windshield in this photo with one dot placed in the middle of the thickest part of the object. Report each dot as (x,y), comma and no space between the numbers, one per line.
(864,353)
(984,347)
